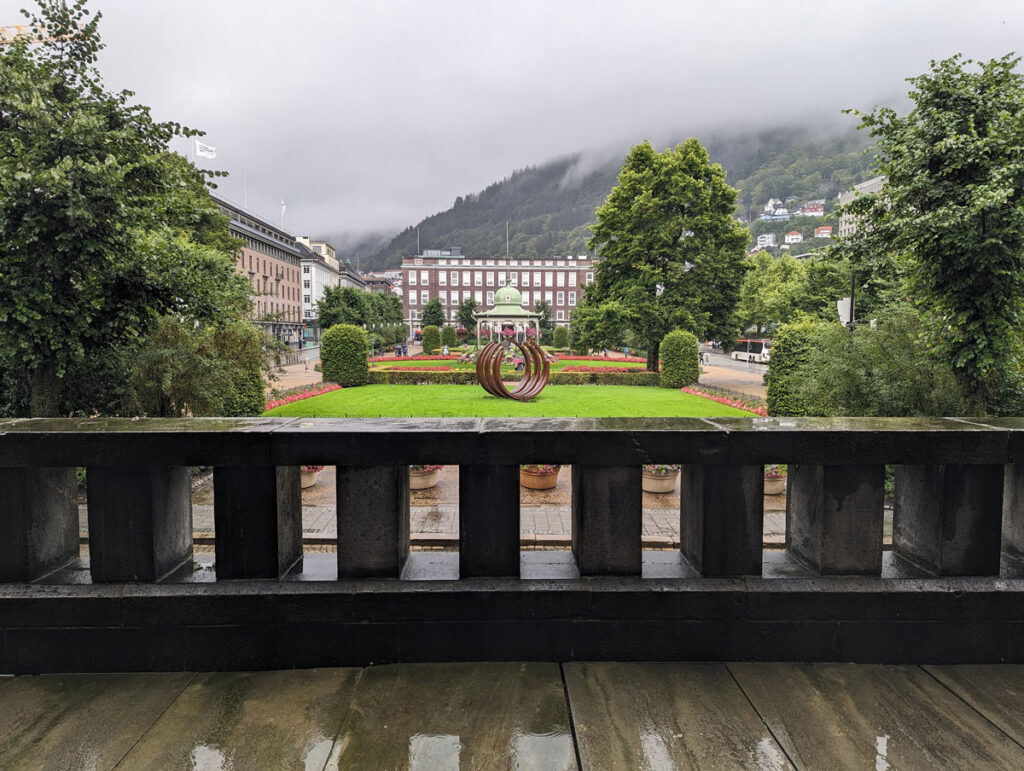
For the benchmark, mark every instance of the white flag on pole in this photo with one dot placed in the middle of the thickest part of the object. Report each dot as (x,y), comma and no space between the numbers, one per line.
(282,207)
(205,151)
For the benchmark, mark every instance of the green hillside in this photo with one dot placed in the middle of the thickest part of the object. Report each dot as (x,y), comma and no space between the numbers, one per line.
(550,207)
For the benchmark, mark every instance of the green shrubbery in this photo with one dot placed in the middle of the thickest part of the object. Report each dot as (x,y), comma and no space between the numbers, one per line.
(884,371)
(790,345)
(406,377)
(561,337)
(680,359)
(343,352)
(431,338)
(448,336)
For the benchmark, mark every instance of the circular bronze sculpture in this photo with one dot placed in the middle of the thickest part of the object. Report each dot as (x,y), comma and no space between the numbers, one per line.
(536,371)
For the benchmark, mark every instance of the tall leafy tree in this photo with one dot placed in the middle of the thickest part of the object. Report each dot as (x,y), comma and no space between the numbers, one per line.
(433,314)
(344,305)
(97,220)
(465,314)
(671,252)
(952,210)
(543,307)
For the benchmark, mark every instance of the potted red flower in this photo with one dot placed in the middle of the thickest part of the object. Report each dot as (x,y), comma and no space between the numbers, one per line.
(539,476)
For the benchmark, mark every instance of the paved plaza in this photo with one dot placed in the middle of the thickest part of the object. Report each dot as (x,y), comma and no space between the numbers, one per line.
(521,715)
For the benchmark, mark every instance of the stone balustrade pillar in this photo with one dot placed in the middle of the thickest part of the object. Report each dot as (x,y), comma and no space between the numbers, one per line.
(947,519)
(607,520)
(834,518)
(721,519)
(258,520)
(140,522)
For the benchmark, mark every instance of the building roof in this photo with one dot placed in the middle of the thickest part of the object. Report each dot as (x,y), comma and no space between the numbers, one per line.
(508,305)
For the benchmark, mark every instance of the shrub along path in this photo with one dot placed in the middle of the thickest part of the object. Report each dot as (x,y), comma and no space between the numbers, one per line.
(397,401)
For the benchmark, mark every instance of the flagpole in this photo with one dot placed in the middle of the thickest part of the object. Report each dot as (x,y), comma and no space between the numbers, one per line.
(245,190)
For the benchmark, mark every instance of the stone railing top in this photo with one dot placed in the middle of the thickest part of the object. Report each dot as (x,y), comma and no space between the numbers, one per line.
(596,441)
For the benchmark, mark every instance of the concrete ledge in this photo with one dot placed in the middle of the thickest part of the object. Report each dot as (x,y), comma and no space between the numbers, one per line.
(270,625)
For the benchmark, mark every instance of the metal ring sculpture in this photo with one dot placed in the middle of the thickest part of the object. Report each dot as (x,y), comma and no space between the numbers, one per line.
(536,370)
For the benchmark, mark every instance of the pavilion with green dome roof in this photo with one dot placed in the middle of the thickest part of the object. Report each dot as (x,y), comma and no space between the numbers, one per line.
(508,311)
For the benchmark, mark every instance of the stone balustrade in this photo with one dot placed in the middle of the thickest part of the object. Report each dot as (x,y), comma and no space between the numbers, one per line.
(954,565)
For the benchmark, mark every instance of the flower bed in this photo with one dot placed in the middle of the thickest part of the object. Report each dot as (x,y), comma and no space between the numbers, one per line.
(601,370)
(419,369)
(302,395)
(750,405)
(630,359)
(432,357)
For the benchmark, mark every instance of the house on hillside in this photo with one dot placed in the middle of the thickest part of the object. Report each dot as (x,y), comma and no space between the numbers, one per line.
(793,237)
(814,209)
(825,231)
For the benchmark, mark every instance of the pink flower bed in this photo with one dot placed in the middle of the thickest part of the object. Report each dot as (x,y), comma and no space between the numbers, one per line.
(386,359)
(419,369)
(300,396)
(730,401)
(630,359)
(581,368)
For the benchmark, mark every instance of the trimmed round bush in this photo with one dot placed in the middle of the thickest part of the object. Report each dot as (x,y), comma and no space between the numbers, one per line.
(561,337)
(343,352)
(431,338)
(791,344)
(680,359)
(448,336)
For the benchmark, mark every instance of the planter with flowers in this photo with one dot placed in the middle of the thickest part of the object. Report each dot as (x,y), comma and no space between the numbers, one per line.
(421,477)
(775,479)
(659,478)
(309,475)
(538,476)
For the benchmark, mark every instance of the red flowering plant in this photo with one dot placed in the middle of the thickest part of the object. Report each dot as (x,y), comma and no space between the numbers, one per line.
(601,370)
(313,469)
(540,468)
(425,467)
(748,405)
(661,469)
(300,396)
(775,471)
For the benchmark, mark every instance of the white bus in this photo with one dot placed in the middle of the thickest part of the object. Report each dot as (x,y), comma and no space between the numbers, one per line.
(757,351)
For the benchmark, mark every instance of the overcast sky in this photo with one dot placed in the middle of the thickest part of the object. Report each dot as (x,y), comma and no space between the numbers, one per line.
(370,115)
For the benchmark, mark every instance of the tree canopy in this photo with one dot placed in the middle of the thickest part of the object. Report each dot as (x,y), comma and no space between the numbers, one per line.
(102,230)
(671,252)
(951,213)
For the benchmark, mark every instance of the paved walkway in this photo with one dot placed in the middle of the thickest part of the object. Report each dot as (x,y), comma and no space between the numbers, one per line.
(529,715)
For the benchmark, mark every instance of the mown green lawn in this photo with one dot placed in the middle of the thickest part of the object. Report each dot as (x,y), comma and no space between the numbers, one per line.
(428,401)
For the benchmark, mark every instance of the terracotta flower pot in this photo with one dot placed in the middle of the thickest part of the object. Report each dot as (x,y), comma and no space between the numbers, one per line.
(421,480)
(309,478)
(659,483)
(775,486)
(534,481)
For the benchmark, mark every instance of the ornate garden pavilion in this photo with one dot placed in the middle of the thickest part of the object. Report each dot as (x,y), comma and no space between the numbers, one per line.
(508,311)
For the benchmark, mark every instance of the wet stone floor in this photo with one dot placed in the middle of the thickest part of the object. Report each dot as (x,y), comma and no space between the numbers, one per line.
(521,716)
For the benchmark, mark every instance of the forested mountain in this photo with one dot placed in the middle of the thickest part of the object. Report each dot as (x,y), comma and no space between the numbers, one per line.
(549,207)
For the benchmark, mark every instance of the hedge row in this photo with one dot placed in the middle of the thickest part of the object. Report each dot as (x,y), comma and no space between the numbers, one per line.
(395,377)
(392,377)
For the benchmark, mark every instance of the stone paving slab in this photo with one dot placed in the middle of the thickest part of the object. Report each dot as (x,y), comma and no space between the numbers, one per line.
(250,720)
(671,716)
(491,715)
(867,716)
(504,715)
(79,721)
(997,692)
